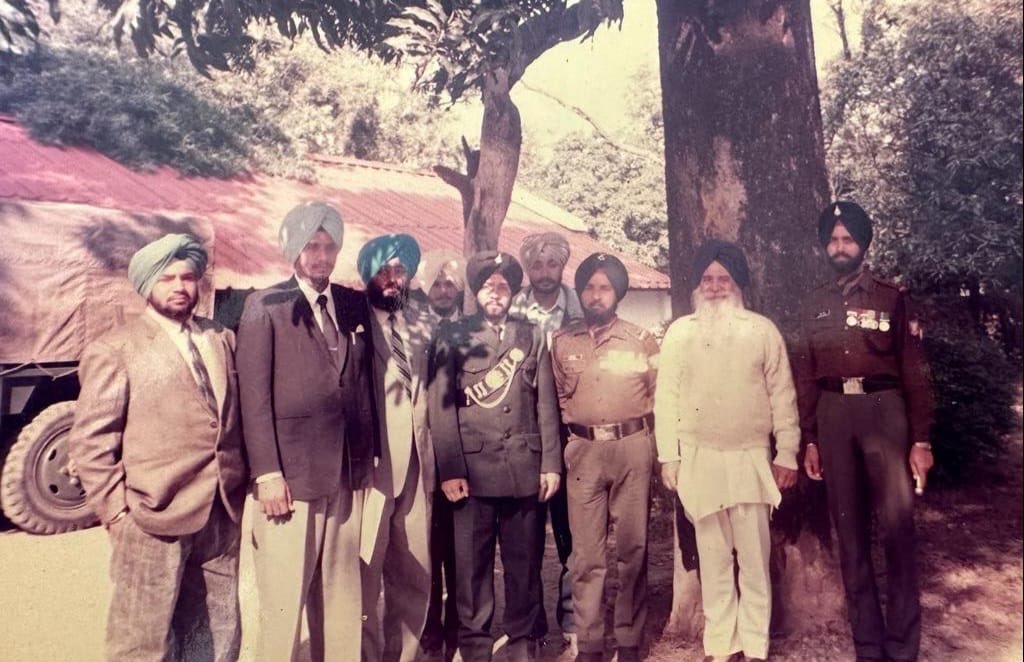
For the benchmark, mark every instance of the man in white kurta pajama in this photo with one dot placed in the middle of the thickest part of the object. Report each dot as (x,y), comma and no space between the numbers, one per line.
(724,386)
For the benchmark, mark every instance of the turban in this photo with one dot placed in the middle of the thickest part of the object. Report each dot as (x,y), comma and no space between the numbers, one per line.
(534,244)
(854,219)
(727,254)
(434,262)
(149,262)
(612,267)
(485,263)
(380,250)
(303,222)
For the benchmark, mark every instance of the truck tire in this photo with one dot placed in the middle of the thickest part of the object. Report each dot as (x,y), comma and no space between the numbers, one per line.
(37,492)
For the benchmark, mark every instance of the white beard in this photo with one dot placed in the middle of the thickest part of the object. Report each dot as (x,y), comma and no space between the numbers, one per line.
(714,318)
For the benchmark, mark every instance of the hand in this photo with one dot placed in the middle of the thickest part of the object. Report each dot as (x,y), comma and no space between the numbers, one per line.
(812,463)
(921,462)
(275,498)
(784,478)
(549,483)
(670,475)
(455,489)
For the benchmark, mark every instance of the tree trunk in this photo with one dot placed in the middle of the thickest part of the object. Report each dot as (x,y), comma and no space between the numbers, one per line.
(744,161)
(486,187)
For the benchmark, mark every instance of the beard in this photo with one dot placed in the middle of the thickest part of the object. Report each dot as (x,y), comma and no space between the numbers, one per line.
(599,316)
(845,264)
(445,311)
(715,309)
(390,304)
(178,311)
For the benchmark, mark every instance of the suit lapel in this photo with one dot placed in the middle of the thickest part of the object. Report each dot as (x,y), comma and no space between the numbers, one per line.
(217,369)
(302,315)
(166,353)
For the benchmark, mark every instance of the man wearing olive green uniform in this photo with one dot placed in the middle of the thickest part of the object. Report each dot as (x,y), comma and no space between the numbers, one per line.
(605,370)
(865,413)
(494,423)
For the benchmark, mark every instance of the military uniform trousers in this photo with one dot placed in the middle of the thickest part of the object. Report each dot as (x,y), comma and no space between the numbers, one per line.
(863,444)
(310,560)
(442,627)
(558,507)
(511,522)
(175,597)
(609,481)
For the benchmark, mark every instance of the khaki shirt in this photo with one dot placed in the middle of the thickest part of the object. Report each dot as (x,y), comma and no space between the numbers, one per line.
(609,379)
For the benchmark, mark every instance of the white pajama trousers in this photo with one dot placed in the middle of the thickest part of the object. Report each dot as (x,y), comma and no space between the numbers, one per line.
(735,620)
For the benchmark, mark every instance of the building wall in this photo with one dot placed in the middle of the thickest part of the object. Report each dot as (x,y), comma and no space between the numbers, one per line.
(651,309)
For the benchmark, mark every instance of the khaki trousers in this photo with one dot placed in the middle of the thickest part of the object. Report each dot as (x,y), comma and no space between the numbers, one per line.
(310,560)
(401,558)
(175,597)
(735,622)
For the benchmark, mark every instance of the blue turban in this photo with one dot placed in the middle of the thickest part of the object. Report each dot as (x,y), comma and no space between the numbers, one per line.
(380,250)
(149,262)
(303,222)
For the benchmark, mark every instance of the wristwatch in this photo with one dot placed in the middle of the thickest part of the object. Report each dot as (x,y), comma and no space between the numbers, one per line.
(927,445)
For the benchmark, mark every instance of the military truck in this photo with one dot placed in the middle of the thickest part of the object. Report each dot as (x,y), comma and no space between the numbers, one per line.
(62,284)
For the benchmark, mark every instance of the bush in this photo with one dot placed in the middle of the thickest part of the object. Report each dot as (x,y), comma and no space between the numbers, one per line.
(975,385)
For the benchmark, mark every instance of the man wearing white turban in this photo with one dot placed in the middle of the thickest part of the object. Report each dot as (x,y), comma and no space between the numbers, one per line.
(551,305)
(307,406)
(158,447)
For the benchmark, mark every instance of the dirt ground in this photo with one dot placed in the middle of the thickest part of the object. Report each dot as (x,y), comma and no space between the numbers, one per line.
(54,590)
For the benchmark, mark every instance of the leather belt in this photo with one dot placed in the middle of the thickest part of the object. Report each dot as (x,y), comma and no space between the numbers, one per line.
(858,385)
(613,431)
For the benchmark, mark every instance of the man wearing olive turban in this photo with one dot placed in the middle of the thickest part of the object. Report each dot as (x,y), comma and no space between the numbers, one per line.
(158,447)
(305,381)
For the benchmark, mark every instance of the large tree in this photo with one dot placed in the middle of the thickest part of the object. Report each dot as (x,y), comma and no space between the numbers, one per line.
(744,161)
(458,47)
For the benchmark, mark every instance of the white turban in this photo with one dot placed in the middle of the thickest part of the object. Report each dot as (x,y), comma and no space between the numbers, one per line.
(303,222)
(434,262)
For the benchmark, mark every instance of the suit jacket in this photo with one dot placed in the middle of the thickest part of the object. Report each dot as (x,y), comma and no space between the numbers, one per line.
(403,422)
(304,416)
(501,449)
(143,437)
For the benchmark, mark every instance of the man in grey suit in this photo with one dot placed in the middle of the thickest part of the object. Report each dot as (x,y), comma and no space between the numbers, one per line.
(398,519)
(158,448)
(305,382)
(494,422)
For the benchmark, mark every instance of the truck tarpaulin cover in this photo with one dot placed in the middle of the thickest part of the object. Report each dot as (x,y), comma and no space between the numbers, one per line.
(63,274)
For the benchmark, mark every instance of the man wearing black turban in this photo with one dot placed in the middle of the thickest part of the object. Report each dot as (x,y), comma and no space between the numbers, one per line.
(158,446)
(605,370)
(866,410)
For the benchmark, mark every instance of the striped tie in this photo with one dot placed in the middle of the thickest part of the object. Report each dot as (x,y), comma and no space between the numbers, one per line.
(401,359)
(200,373)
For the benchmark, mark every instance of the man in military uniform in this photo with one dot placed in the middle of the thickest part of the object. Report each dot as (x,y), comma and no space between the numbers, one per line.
(494,422)
(605,371)
(551,305)
(865,413)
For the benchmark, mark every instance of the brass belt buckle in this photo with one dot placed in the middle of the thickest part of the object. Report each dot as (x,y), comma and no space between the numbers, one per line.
(853,386)
(605,433)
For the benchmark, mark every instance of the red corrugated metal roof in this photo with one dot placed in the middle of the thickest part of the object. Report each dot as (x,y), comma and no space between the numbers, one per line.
(245,211)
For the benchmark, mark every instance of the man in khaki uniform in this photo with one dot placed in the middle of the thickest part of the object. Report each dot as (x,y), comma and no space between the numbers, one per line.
(605,371)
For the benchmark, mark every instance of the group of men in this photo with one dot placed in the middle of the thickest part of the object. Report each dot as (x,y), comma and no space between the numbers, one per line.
(392,442)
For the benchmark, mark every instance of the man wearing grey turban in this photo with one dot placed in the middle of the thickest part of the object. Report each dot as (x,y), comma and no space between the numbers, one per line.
(307,406)
(551,305)
(165,381)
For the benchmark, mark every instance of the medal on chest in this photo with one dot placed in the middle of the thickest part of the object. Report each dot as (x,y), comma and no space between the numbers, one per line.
(492,389)
(871,320)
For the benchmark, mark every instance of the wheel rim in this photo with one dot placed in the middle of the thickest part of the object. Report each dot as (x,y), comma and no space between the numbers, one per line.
(52,481)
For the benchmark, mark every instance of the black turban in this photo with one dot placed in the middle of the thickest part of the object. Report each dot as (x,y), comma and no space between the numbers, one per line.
(854,219)
(612,267)
(482,265)
(727,254)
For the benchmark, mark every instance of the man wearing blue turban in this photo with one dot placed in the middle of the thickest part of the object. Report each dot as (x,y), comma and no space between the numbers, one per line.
(405,475)
(304,374)
(158,446)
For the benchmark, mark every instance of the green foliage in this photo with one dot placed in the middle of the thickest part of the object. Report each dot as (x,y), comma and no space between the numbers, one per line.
(124,110)
(925,130)
(975,387)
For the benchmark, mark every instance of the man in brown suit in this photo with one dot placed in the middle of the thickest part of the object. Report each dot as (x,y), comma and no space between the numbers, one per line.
(158,448)
(305,384)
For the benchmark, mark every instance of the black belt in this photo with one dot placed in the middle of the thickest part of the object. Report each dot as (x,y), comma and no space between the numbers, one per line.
(858,385)
(613,431)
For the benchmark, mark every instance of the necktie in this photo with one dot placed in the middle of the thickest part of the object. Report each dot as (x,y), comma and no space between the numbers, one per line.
(401,359)
(328,329)
(201,375)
